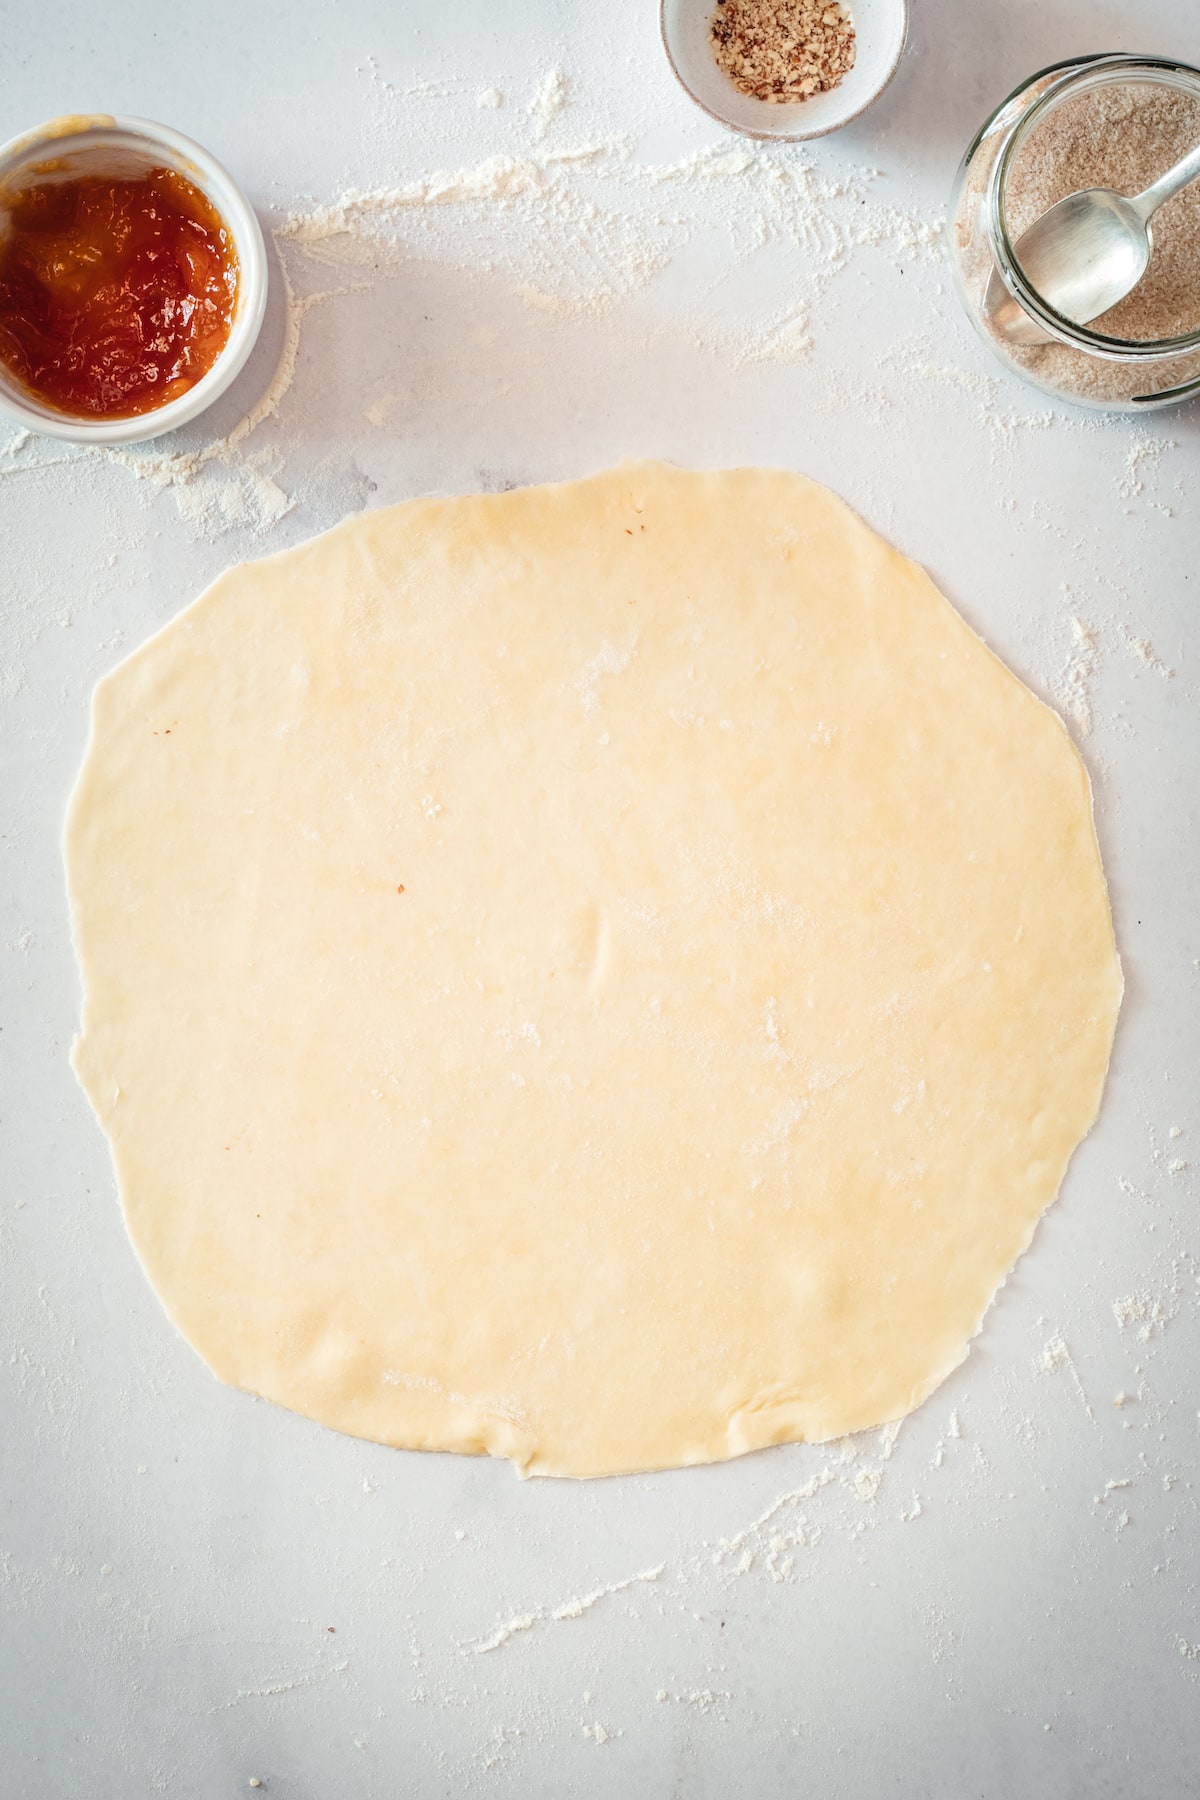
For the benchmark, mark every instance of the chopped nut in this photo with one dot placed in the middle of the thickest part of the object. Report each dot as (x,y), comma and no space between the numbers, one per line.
(783,51)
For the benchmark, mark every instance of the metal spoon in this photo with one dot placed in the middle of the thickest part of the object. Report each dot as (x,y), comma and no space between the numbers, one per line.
(1085,254)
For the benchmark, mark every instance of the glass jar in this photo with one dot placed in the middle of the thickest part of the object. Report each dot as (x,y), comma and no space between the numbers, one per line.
(1099,121)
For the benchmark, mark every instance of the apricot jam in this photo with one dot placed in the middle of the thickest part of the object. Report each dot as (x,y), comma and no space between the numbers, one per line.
(116,296)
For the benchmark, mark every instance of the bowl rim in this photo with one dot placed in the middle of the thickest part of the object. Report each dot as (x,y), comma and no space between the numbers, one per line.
(224,193)
(785,137)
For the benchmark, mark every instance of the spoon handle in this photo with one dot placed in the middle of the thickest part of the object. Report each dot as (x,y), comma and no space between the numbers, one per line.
(1179,177)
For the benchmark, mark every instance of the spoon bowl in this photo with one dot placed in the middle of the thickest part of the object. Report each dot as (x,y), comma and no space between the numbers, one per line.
(1084,255)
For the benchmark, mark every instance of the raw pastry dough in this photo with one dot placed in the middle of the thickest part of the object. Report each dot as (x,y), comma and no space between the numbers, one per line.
(608,975)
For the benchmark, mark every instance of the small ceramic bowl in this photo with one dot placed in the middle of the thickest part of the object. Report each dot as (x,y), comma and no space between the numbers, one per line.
(102,144)
(880,28)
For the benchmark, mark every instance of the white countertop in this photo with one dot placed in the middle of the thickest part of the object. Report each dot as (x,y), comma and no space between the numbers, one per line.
(198,1588)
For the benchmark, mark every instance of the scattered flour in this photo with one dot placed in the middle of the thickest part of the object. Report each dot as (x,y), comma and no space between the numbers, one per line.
(1145,1313)
(367,213)
(16,442)
(866,1483)
(608,660)
(577,228)
(544,1615)
(286,1684)
(549,100)
(727,1547)
(1142,460)
(1055,1356)
(1144,651)
(1073,686)
(701,1699)
(889,1435)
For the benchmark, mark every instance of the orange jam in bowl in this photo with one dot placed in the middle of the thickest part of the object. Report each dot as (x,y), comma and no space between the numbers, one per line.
(116,293)
(132,279)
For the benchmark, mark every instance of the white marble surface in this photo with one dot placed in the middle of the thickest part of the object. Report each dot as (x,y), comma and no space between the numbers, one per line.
(174,1555)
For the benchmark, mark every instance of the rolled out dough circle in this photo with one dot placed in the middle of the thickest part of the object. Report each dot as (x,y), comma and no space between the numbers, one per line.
(607,974)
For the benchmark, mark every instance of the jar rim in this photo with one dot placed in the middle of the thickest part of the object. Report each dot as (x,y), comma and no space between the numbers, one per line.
(1077,76)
